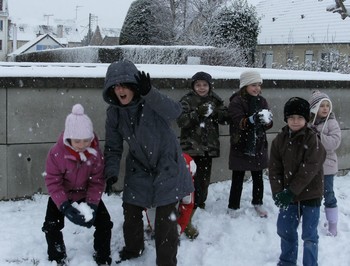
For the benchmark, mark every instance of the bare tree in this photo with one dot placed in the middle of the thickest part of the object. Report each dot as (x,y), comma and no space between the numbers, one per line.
(339,7)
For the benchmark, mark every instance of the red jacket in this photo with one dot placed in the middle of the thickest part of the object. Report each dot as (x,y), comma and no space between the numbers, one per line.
(186,204)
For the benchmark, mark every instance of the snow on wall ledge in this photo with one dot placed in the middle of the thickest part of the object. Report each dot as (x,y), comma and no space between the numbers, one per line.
(95,70)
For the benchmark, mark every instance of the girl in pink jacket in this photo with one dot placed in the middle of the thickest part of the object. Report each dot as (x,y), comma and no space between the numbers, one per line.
(324,122)
(75,183)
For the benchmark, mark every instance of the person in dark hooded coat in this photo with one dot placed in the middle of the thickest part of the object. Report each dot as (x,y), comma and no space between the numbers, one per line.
(156,173)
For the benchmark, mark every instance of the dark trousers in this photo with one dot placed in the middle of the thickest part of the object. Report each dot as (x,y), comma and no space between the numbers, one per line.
(54,223)
(166,235)
(201,180)
(237,186)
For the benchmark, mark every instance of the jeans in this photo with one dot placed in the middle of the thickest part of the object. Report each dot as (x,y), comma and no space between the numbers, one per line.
(287,224)
(330,200)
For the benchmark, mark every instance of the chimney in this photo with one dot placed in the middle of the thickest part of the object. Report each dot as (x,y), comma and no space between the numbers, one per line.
(59,31)
(14,37)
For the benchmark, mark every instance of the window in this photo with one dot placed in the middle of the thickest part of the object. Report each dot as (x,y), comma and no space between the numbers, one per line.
(330,56)
(0,45)
(290,56)
(309,56)
(1,25)
(329,60)
(267,59)
(1,5)
(41,47)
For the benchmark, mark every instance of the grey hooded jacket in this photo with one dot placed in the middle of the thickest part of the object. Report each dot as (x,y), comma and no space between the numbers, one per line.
(156,173)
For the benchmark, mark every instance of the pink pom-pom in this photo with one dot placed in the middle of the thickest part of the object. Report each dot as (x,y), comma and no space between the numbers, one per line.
(78,109)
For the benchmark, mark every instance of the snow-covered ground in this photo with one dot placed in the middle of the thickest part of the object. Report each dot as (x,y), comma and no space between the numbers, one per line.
(244,241)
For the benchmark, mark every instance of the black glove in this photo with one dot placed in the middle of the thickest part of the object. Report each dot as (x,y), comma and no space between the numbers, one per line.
(143,82)
(109,184)
(284,198)
(72,214)
(202,110)
(94,209)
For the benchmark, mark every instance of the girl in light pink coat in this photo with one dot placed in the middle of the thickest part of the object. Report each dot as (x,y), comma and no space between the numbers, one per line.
(324,122)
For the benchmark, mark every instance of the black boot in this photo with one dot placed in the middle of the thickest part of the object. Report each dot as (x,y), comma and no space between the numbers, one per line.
(100,261)
(125,254)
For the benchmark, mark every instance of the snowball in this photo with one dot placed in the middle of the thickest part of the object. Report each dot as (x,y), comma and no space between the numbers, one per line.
(193,167)
(210,110)
(266,115)
(84,210)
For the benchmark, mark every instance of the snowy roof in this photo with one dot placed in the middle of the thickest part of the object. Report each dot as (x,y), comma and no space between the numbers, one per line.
(31,43)
(110,32)
(301,22)
(28,30)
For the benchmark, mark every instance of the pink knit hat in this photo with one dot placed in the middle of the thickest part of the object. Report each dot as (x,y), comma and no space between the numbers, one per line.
(316,99)
(78,125)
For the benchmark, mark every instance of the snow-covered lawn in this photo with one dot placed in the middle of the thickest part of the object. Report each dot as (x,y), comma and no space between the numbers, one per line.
(244,241)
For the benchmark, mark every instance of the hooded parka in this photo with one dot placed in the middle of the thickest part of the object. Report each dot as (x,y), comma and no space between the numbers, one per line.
(156,173)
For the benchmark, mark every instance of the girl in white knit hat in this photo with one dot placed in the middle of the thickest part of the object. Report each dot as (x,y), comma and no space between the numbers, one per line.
(250,118)
(324,122)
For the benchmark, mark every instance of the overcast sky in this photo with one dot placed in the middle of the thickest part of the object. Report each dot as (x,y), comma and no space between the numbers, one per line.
(109,13)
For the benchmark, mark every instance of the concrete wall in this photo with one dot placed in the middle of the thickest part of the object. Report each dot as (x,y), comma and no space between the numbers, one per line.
(33,112)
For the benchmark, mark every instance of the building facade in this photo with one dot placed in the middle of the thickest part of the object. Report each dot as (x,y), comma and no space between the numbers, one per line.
(4,22)
(301,34)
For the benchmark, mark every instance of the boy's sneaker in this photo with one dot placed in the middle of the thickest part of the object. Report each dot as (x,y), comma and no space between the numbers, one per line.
(62,262)
(260,211)
(233,213)
(124,254)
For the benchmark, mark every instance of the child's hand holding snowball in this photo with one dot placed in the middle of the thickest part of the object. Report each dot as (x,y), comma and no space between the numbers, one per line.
(206,109)
(82,214)
(88,210)
(265,117)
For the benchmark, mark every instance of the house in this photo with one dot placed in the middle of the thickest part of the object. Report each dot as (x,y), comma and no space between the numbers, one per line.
(300,32)
(110,36)
(64,31)
(40,43)
(3,29)
(104,37)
